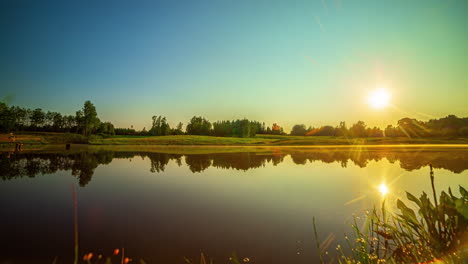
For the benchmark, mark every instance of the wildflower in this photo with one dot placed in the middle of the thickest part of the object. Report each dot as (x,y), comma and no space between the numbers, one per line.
(88,256)
(116,251)
(246,259)
(126,260)
(360,240)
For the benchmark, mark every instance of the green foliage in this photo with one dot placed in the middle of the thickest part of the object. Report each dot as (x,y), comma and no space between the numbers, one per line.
(298,130)
(37,118)
(199,126)
(126,131)
(436,230)
(106,128)
(87,119)
(442,127)
(160,127)
(7,122)
(236,128)
(178,130)
(358,129)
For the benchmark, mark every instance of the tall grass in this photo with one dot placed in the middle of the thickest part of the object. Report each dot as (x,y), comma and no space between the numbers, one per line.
(436,232)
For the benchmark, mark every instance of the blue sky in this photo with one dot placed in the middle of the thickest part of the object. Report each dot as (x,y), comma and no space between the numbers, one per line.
(289,62)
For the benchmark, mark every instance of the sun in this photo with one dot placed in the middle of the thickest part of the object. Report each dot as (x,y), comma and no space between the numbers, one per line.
(379,99)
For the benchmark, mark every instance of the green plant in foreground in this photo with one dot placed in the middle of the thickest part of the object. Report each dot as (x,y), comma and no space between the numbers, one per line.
(436,232)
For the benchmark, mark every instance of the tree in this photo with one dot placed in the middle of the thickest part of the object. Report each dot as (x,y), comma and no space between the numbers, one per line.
(235,128)
(106,128)
(325,131)
(412,127)
(165,128)
(298,130)
(198,126)
(57,122)
(391,131)
(374,132)
(37,118)
(358,129)
(49,120)
(178,130)
(276,129)
(20,116)
(7,121)
(87,119)
(160,127)
(342,130)
(69,123)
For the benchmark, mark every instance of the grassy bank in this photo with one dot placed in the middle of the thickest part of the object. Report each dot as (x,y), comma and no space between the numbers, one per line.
(259,140)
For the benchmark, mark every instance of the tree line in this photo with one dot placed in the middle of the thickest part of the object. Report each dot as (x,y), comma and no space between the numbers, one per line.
(86,122)
(450,126)
(201,126)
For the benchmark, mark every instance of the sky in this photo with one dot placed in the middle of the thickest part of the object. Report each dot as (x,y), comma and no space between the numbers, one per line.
(289,62)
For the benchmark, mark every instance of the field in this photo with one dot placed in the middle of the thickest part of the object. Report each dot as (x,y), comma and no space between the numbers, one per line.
(259,140)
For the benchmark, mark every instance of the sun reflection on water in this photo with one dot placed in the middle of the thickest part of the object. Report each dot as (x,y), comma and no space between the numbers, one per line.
(383,189)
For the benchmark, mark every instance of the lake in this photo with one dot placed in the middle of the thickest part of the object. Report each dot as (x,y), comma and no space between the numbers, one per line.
(164,203)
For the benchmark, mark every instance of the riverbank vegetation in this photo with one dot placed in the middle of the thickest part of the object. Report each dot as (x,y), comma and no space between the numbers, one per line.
(31,139)
(426,232)
(87,123)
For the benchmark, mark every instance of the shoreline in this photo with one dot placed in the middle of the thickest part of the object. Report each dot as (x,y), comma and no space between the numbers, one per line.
(38,139)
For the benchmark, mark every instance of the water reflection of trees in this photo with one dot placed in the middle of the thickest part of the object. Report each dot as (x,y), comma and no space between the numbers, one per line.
(83,164)
(455,161)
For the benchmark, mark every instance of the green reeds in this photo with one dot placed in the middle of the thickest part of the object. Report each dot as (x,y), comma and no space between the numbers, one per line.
(436,231)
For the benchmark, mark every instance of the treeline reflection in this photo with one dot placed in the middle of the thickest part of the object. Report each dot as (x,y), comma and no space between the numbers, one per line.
(82,164)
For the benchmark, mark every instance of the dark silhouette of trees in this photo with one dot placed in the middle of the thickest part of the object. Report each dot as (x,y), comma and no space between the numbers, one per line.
(7,121)
(127,131)
(37,118)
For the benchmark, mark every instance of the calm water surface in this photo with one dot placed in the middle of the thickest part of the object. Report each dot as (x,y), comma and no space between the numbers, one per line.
(162,204)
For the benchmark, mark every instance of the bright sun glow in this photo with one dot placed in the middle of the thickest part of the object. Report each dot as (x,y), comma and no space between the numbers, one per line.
(379,98)
(383,189)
